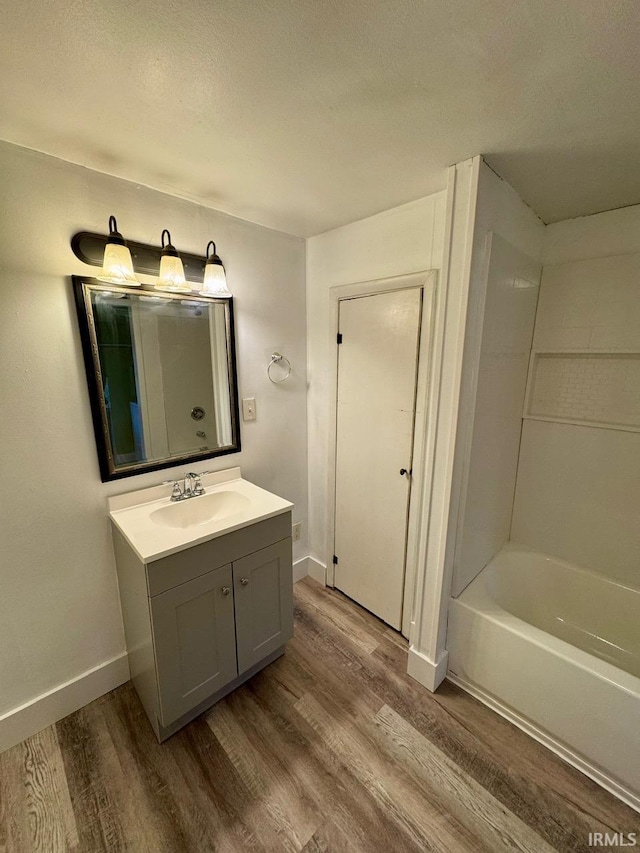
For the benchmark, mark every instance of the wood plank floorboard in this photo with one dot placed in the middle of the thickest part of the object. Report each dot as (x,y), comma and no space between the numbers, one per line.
(331,749)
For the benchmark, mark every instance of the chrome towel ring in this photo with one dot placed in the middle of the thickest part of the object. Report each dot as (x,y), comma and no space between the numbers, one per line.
(276,358)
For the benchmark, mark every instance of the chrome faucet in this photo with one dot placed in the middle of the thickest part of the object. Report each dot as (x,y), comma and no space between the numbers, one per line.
(191,486)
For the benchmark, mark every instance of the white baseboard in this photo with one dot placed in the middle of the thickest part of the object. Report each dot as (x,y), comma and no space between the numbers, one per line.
(309,566)
(317,570)
(545,739)
(429,673)
(48,708)
(300,569)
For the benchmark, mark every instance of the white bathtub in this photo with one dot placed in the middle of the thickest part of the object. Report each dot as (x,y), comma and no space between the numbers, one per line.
(556,649)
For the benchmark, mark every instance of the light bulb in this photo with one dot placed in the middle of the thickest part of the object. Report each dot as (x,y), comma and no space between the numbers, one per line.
(171,270)
(117,266)
(215,279)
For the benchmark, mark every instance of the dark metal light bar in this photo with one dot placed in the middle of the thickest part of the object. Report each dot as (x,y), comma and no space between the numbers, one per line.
(89,248)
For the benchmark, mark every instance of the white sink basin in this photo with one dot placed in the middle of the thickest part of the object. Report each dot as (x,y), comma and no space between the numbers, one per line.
(199,510)
(155,527)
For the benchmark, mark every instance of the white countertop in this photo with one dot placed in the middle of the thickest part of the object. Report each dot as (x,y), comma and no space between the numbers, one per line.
(132,512)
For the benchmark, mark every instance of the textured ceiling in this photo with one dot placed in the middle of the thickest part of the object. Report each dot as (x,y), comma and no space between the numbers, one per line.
(306,115)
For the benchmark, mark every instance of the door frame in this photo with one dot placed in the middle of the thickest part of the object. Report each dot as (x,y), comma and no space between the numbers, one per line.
(422,464)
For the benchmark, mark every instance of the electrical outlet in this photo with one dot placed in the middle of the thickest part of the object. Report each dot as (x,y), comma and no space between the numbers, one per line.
(297,531)
(248,408)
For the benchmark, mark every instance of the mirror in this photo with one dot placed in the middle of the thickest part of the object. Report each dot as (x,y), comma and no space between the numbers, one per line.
(162,376)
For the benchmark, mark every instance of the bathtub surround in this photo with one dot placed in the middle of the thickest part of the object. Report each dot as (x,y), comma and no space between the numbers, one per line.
(503,291)
(577,496)
(577,491)
(614,232)
(530,635)
(60,623)
(586,388)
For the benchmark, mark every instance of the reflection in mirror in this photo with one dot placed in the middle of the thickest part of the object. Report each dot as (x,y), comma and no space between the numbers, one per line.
(163,376)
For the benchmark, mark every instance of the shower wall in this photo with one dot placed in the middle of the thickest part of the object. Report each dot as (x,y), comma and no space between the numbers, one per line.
(578,481)
(503,292)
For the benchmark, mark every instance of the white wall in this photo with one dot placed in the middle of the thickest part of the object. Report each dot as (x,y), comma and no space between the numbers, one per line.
(403,240)
(59,607)
(500,321)
(578,492)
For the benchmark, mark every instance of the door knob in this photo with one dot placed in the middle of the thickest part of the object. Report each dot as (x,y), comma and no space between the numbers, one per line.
(404,471)
(226,590)
(244,581)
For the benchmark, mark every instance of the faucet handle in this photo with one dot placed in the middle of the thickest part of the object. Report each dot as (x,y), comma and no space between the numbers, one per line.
(198,488)
(176,494)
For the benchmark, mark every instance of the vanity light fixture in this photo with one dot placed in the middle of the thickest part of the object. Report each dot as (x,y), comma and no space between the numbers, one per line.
(171,269)
(117,266)
(215,279)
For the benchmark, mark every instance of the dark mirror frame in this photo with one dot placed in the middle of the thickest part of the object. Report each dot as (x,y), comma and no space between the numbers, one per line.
(108,470)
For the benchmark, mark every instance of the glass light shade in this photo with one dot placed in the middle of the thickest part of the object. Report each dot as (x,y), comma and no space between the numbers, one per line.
(215,281)
(172,275)
(117,266)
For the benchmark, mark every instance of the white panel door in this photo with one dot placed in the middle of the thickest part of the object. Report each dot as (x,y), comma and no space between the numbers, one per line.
(377,370)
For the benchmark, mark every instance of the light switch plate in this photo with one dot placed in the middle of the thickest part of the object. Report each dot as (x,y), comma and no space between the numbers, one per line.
(248,408)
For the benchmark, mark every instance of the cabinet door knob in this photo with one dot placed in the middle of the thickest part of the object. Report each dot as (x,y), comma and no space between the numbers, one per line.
(244,581)
(226,590)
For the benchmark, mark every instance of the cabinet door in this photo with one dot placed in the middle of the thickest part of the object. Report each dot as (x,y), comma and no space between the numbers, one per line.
(263,587)
(194,638)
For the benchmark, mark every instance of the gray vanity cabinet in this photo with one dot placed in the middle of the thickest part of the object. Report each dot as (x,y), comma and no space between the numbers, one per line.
(263,595)
(202,621)
(194,636)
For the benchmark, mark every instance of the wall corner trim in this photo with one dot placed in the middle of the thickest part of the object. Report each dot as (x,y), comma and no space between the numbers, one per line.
(429,673)
(311,567)
(433,580)
(49,707)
